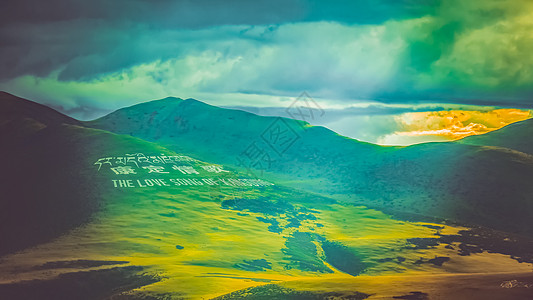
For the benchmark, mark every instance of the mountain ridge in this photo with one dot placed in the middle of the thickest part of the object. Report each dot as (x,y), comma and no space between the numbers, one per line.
(516,136)
(453,180)
(206,241)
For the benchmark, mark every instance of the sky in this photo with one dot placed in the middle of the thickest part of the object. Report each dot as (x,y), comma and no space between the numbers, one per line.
(87,58)
(402,125)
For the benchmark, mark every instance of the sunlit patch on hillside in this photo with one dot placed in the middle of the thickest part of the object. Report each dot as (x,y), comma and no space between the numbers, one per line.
(439,126)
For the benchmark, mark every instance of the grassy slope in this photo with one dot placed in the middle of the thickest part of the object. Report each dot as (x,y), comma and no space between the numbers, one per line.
(517,136)
(201,241)
(48,182)
(33,148)
(204,241)
(457,181)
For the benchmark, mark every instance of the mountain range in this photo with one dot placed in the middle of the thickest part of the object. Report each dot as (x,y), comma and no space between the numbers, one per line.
(253,207)
(481,180)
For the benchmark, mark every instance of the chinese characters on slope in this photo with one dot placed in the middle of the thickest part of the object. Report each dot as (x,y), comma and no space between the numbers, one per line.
(139,160)
(139,164)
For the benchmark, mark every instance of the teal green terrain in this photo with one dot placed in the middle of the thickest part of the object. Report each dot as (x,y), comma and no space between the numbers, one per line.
(476,181)
(515,136)
(154,202)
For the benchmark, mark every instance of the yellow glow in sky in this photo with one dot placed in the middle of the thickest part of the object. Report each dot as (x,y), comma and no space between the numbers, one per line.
(419,127)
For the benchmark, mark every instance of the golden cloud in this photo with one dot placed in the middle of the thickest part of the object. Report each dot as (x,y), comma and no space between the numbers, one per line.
(451,124)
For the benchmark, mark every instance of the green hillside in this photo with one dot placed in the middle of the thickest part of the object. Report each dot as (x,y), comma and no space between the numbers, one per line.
(83,205)
(517,136)
(90,214)
(470,184)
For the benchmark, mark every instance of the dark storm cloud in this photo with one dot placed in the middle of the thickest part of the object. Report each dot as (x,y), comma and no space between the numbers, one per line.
(203,13)
(88,38)
(407,51)
(161,13)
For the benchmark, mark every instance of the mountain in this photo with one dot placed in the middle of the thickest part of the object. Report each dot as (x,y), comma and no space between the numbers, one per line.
(470,184)
(90,214)
(33,147)
(47,178)
(516,136)
(14,108)
(188,123)
(71,207)
(282,146)
(20,117)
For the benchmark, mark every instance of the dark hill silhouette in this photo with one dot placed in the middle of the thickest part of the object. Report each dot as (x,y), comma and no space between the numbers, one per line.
(517,136)
(47,179)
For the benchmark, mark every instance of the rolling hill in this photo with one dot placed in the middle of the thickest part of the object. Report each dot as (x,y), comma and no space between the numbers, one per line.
(34,147)
(91,214)
(458,181)
(515,136)
(78,216)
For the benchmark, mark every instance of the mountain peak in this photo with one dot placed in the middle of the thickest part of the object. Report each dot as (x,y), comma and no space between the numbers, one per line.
(13,107)
(166,100)
(171,98)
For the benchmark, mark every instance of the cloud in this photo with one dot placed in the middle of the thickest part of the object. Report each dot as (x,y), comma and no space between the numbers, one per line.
(327,59)
(106,54)
(400,124)
(416,127)
(207,13)
(472,51)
